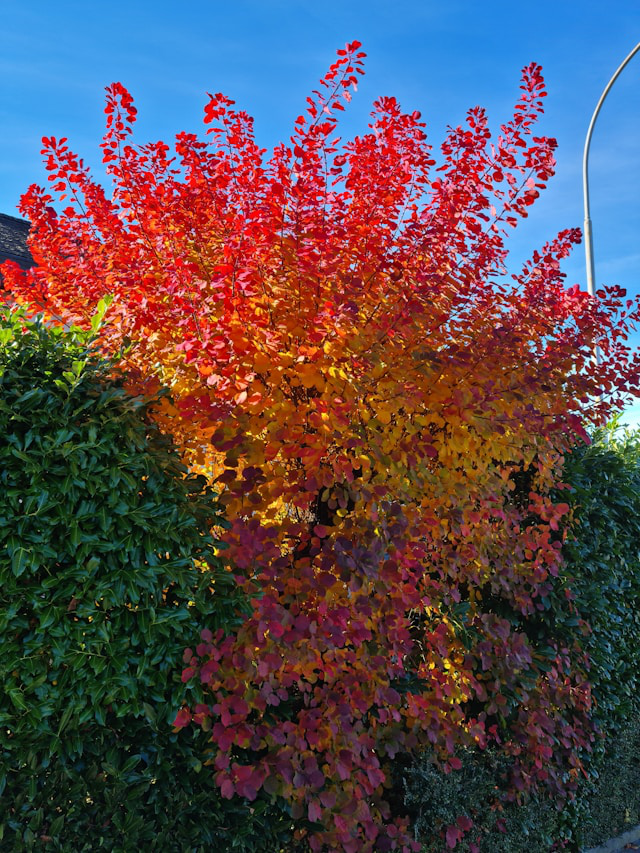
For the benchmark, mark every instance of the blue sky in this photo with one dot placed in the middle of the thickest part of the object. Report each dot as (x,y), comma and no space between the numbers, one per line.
(440,58)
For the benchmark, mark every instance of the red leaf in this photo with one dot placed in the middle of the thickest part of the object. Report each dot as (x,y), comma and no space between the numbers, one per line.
(453,836)
(314,812)
(227,789)
(183,718)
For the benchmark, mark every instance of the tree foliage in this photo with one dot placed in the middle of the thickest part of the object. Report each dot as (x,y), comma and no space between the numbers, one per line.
(386,412)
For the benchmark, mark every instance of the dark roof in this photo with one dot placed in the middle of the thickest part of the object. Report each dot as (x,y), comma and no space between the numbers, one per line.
(13,241)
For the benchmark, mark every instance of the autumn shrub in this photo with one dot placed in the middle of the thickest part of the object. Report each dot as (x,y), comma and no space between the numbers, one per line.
(107,571)
(384,410)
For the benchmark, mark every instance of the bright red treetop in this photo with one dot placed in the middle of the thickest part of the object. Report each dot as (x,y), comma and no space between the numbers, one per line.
(351,362)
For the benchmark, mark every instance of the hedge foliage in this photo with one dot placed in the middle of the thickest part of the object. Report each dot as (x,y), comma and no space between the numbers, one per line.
(593,607)
(107,572)
(603,567)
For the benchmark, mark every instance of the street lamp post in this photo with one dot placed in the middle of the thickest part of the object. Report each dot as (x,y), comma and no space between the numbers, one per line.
(588,234)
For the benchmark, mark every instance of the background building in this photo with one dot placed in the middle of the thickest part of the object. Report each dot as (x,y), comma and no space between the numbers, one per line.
(13,241)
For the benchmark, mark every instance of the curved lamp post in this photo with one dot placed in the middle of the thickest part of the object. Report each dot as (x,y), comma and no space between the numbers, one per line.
(588,235)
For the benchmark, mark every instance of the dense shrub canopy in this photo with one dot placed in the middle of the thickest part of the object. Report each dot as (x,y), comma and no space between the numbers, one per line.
(385,413)
(107,571)
(602,567)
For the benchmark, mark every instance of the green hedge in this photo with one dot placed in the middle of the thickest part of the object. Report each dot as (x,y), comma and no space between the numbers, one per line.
(607,806)
(108,571)
(603,567)
(602,571)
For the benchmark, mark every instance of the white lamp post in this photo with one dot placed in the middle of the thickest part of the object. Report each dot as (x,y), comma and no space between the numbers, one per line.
(588,234)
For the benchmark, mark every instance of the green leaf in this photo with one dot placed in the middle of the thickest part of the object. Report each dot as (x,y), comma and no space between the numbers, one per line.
(56,825)
(18,700)
(149,712)
(20,561)
(98,318)
(64,719)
